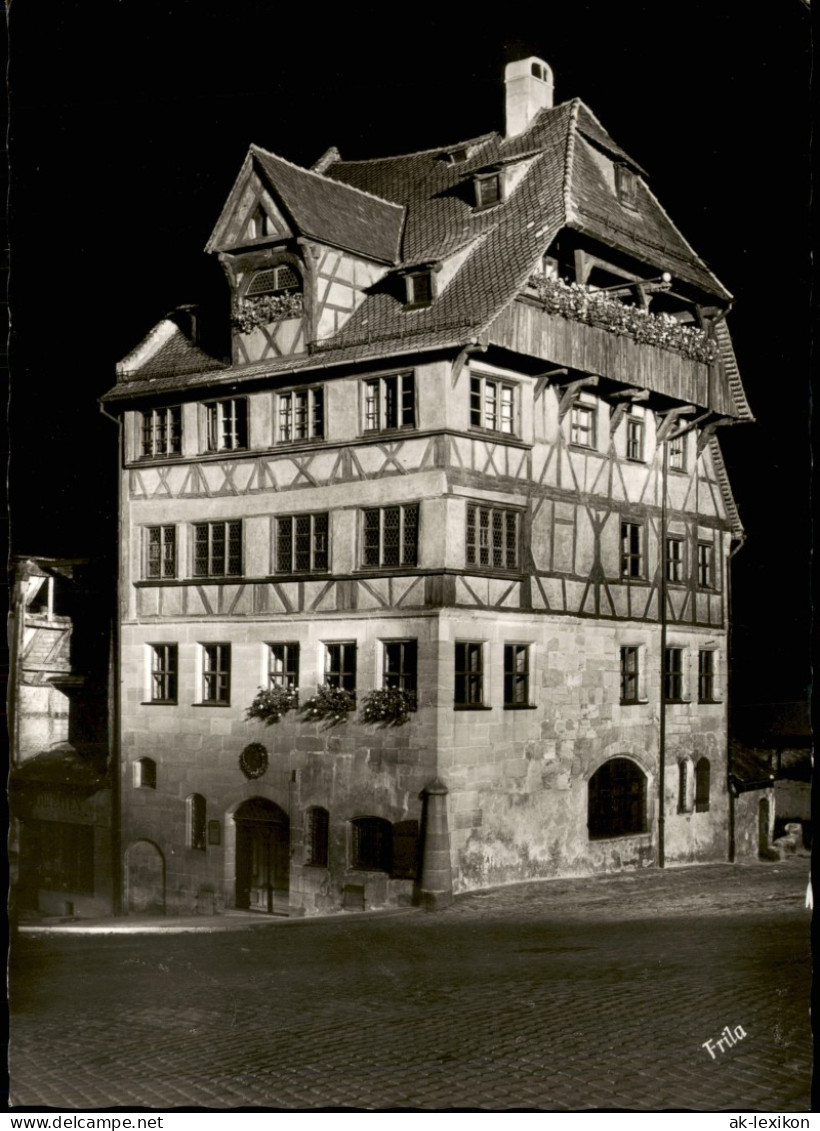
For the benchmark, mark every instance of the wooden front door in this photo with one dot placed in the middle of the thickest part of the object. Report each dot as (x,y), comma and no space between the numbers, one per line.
(262,857)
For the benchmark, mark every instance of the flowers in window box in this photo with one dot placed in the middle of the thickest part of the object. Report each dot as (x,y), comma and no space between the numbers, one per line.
(330,704)
(597,308)
(248,313)
(270,705)
(390,706)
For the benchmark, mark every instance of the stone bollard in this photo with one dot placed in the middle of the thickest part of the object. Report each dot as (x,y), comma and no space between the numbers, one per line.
(436,887)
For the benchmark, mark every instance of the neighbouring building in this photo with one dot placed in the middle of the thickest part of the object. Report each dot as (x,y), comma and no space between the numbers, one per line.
(454,514)
(59,784)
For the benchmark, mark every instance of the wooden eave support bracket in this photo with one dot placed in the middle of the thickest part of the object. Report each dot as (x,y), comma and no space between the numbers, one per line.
(543,379)
(709,429)
(571,391)
(670,420)
(461,360)
(626,398)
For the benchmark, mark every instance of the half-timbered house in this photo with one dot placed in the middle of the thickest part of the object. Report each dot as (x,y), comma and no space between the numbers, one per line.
(453,518)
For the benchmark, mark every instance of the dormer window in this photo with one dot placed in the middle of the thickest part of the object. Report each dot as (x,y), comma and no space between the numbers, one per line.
(488,190)
(419,288)
(626,186)
(273,280)
(456,156)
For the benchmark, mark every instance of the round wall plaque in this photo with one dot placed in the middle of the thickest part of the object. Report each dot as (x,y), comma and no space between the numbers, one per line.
(253,761)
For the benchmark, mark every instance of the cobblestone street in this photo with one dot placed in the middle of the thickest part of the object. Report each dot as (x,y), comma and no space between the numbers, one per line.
(565,995)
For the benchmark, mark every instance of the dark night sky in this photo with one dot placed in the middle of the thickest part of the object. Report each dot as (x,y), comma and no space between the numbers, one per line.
(130,120)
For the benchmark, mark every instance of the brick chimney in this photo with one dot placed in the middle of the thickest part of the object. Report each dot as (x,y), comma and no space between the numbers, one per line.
(529,86)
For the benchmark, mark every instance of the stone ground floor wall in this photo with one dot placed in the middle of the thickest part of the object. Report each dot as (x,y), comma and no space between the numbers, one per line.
(518,778)
(754,824)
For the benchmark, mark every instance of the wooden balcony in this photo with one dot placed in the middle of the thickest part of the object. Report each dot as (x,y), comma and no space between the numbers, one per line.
(526,328)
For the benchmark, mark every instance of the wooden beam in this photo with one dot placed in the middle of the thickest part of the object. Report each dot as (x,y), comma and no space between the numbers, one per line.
(708,432)
(616,417)
(630,395)
(670,419)
(571,392)
(543,379)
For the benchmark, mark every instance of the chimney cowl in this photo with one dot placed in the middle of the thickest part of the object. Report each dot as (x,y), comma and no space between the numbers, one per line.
(529,89)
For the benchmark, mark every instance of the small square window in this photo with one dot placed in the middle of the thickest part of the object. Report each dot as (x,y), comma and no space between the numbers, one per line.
(634,439)
(216,673)
(469,674)
(390,402)
(626,186)
(390,537)
(340,666)
(632,550)
(674,560)
(145,773)
(488,190)
(582,425)
(283,666)
(227,425)
(400,665)
(160,550)
(673,675)
(677,453)
(706,676)
(300,415)
(492,404)
(516,675)
(162,431)
(218,549)
(492,538)
(419,288)
(705,565)
(164,667)
(630,674)
(301,543)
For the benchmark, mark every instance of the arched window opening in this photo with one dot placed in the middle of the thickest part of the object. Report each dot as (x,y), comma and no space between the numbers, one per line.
(197,823)
(372,844)
(281,279)
(703,773)
(683,781)
(316,837)
(617,800)
(145,773)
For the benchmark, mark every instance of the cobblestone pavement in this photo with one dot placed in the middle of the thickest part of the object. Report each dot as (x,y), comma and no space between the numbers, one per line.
(565,995)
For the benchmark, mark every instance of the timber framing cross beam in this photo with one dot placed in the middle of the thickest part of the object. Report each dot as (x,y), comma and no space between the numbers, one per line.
(571,391)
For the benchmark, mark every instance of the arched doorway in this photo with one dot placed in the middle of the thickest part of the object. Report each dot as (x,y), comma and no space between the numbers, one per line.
(145,879)
(262,856)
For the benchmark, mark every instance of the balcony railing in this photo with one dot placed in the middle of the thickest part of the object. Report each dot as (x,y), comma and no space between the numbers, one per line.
(597,308)
(560,324)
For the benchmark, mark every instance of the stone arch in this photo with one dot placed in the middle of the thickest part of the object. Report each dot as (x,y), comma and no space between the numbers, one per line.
(617,799)
(260,859)
(144,879)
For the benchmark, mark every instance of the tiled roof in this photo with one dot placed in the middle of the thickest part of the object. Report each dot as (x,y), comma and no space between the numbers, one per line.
(420,208)
(167,352)
(332,212)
